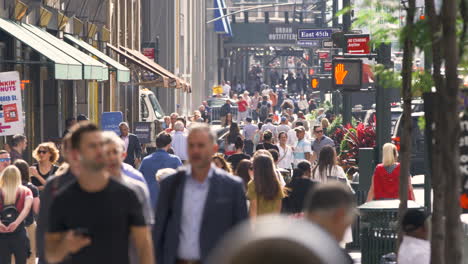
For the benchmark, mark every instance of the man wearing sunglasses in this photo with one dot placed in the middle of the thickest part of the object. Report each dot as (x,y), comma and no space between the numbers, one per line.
(320,141)
(4,159)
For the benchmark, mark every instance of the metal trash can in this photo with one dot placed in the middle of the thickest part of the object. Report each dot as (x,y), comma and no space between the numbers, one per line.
(464,220)
(379,228)
(361,197)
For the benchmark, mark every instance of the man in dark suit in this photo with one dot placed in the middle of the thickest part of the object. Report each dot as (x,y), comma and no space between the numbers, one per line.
(197,205)
(132,145)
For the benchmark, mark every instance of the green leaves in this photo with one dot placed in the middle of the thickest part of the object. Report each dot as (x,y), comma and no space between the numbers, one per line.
(422,82)
(386,78)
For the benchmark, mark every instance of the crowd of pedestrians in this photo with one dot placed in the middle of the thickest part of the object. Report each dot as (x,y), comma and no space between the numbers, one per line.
(98,200)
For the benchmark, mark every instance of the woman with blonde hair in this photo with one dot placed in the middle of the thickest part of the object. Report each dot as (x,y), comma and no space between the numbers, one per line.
(220,162)
(46,154)
(386,179)
(15,204)
(325,124)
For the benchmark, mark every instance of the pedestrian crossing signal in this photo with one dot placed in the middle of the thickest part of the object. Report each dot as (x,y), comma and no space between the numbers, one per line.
(315,83)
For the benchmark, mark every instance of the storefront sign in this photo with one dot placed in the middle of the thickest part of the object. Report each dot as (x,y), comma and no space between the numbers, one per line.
(357,44)
(282,33)
(11,108)
(149,53)
(143,131)
(110,121)
(306,34)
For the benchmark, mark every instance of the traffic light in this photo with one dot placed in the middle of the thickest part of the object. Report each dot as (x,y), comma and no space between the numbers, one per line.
(347,74)
(314,82)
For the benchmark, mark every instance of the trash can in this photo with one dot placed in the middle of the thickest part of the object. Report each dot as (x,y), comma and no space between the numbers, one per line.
(464,220)
(361,197)
(379,228)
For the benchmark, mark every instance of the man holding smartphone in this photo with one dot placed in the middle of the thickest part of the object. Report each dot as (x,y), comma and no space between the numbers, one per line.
(93,219)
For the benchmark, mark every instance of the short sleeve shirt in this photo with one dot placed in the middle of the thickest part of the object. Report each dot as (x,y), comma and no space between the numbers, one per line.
(300,150)
(242,104)
(318,145)
(106,215)
(264,206)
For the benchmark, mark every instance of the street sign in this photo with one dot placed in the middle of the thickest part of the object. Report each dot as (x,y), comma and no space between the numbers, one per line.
(347,74)
(357,44)
(323,55)
(309,43)
(149,53)
(308,34)
(217,89)
(327,44)
(327,66)
(11,107)
(288,53)
(110,121)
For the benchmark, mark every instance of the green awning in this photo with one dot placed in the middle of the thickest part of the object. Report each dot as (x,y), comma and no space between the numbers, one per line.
(65,67)
(92,69)
(123,73)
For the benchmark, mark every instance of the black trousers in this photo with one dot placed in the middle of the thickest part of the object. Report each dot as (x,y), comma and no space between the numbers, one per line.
(16,244)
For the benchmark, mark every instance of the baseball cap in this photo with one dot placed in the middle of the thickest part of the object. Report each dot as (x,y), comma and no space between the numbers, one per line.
(283,119)
(413,219)
(299,128)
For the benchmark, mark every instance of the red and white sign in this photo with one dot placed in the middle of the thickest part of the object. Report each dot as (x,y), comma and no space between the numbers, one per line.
(323,55)
(149,53)
(327,66)
(358,44)
(11,108)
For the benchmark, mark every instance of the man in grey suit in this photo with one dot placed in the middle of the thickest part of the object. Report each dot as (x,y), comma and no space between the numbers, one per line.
(197,205)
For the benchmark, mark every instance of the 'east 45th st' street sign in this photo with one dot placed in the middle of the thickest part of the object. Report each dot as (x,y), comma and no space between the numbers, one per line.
(308,34)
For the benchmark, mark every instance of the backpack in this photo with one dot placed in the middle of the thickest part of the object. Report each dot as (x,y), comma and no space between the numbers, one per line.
(9,213)
(264,110)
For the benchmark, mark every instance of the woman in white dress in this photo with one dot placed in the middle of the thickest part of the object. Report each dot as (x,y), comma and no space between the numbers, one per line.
(286,156)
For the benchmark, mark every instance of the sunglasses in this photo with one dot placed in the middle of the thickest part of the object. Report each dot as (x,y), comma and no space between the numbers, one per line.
(5,159)
(319,131)
(250,168)
(42,151)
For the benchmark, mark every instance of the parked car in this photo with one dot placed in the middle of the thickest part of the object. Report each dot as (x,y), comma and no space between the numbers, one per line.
(215,103)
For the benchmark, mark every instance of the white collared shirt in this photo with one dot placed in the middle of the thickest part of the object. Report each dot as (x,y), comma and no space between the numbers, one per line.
(414,250)
(125,139)
(193,204)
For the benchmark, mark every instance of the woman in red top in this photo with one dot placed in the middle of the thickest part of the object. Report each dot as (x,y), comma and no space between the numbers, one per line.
(386,179)
(13,237)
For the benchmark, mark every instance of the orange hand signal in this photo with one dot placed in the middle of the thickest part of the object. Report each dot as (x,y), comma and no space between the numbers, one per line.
(340,73)
(315,83)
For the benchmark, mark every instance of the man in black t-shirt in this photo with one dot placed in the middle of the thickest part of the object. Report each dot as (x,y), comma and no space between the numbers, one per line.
(267,145)
(236,158)
(92,219)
